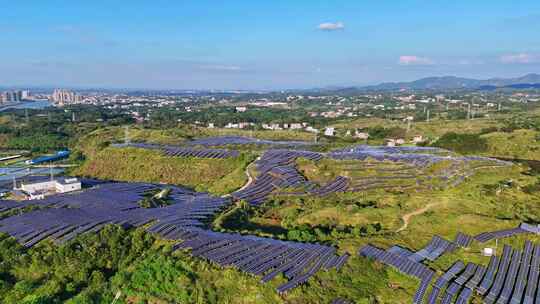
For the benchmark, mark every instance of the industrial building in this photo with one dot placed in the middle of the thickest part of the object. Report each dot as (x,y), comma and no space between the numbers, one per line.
(40,189)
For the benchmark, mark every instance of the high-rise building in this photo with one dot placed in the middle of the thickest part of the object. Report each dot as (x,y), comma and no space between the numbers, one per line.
(25,95)
(63,97)
(11,96)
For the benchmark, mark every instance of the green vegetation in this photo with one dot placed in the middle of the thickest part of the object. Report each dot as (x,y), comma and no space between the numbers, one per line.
(220,176)
(519,144)
(462,143)
(155,199)
(94,268)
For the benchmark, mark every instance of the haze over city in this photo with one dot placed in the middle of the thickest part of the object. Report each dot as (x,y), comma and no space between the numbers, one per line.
(263,44)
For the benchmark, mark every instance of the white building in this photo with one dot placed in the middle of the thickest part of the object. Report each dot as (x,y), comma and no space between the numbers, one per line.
(66,185)
(241,109)
(295,126)
(488,252)
(418,139)
(400,141)
(271,127)
(391,142)
(312,129)
(361,135)
(39,190)
(329,131)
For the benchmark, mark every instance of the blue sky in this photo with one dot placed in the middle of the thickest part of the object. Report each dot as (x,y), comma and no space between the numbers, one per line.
(270,44)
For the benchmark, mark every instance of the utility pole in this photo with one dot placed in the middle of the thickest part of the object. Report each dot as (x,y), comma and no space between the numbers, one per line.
(72,116)
(126,135)
(26,116)
(468,111)
(427,116)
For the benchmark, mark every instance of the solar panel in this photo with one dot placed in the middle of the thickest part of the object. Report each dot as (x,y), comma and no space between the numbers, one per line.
(521,280)
(501,275)
(489,277)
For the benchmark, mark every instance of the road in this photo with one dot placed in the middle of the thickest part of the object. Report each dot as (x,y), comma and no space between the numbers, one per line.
(407,217)
(248,174)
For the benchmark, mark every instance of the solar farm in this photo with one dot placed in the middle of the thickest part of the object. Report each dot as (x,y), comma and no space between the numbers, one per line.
(511,277)
(294,170)
(62,218)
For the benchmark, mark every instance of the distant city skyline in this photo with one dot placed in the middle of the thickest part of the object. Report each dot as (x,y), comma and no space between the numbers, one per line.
(252,45)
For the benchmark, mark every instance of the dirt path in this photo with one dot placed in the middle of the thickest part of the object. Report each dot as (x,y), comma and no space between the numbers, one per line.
(407,217)
(248,174)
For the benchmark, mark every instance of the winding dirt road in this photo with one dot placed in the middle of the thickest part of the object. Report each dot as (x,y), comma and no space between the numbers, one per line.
(407,217)
(248,174)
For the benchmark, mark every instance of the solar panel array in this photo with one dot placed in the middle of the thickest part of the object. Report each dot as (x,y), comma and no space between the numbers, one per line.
(418,157)
(277,170)
(530,228)
(186,152)
(511,278)
(404,265)
(63,217)
(339,184)
(240,140)
(463,240)
(499,234)
(436,247)
(262,256)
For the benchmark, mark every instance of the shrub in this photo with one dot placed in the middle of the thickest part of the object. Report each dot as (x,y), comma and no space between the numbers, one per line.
(462,143)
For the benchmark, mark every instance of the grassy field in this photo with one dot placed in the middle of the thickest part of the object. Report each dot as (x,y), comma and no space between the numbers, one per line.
(219,176)
(491,199)
(431,129)
(520,144)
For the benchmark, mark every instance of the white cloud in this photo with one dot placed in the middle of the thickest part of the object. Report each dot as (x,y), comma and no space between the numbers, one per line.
(414,60)
(331,26)
(518,58)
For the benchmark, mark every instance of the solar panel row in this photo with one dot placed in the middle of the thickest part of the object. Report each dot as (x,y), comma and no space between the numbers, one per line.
(186,152)
(276,171)
(63,217)
(402,264)
(499,234)
(512,278)
(436,247)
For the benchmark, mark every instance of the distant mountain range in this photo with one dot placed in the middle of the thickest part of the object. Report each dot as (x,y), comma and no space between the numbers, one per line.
(451,83)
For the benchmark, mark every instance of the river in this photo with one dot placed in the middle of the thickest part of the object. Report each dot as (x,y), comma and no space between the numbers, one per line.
(37,105)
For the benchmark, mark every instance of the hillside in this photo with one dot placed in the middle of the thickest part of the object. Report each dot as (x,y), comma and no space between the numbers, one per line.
(448,83)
